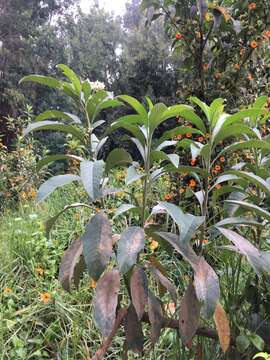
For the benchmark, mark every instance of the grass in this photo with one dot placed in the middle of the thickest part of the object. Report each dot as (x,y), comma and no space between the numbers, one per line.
(63,328)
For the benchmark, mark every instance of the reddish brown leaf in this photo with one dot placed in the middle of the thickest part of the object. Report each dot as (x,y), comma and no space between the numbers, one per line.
(133,331)
(166,283)
(156,264)
(189,315)
(207,286)
(155,316)
(139,290)
(105,301)
(68,263)
(223,327)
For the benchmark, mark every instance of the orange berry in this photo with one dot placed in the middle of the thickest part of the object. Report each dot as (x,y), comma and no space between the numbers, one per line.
(237,66)
(218,75)
(250,77)
(168,197)
(217,168)
(200,139)
(178,36)
(192,183)
(267,33)
(252,6)
(179,137)
(222,159)
(218,186)
(193,162)
(253,44)
(189,135)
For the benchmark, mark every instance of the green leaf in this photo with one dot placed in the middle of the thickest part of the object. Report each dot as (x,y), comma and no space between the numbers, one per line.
(130,244)
(251,207)
(242,343)
(262,355)
(68,263)
(149,103)
(234,131)
(55,114)
(187,223)
(160,155)
(53,183)
(91,176)
(50,158)
(205,108)
(52,220)
(70,74)
(117,157)
(238,221)
(257,341)
(132,175)
(57,126)
(180,130)
(136,105)
(155,116)
(125,208)
(105,301)
(43,80)
(97,244)
(249,144)
(215,111)
(165,144)
(252,179)
(140,147)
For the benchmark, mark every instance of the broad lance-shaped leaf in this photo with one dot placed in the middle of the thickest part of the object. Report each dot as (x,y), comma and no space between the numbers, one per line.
(70,74)
(155,312)
(133,331)
(68,263)
(117,157)
(125,208)
(223,327)
(207,286)
(53,183)
(139,290)
(259,260)
(187,223)
(251,207)
(56,114)
(253,179)
(105,301)
(43,80)
(166,283)
(97,244)
(136,105)
(205,279)
(56,126)
(189,315)
(50,158)
(91,176)
(130,244)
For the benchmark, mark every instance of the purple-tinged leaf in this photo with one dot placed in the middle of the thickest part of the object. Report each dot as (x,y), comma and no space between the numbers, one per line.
(155,317)
(133,331)
(139,290)
(105,301)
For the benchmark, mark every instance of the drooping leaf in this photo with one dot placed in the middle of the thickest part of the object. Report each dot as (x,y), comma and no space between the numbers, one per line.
(55,114)
(91,176)
(259,260)
(117,157)
(52,220)
(155,316)
(97,244)
(139,290)
(56,126)
(50,158)
(189,316)
(253,179)
(187,223)
(130,244)
(207,287)
(132,175)
(223,327)
(251,207)
(53,183)
(133,331)
(136,105)
(68,263)
(166,283)
(125,208)
(43,80)
(105,301)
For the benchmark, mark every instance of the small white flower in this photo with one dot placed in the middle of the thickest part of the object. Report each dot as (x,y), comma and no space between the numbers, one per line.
(97,85)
